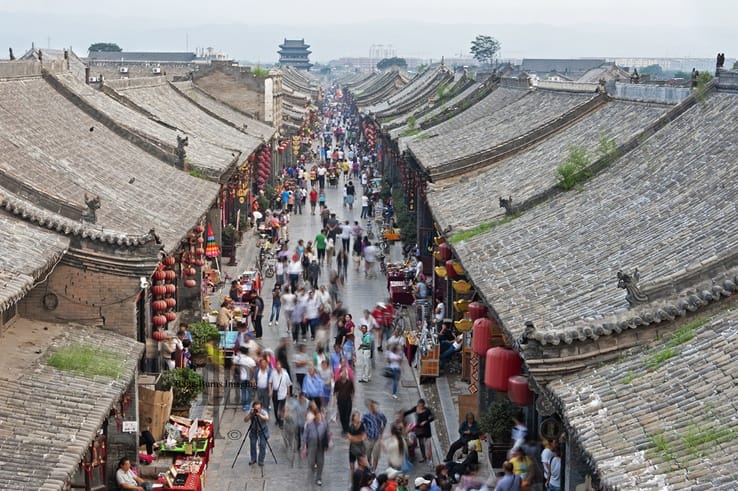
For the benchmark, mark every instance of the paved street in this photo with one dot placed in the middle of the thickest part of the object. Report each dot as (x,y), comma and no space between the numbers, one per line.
(359,293)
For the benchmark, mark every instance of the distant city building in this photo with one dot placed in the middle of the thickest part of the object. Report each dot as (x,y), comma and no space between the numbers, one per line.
(295,53)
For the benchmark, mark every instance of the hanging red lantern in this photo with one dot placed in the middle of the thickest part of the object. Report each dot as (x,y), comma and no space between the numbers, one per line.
(159,335)
(169,261)
(450,270)
(159,320)
(189,271)
(199,251)
(518,390)
(477,310)
(480,335)
(171,302)
(170,289)
(190,283)
(198,229)
(171,316)
(444,251)
(159,305)
(159,290)
(501,364)
(251,157)
(170,275)
(159,275)
(200,240)
(199,262)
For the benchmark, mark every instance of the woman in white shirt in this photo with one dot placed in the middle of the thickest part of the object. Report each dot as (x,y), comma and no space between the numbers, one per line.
(281,383)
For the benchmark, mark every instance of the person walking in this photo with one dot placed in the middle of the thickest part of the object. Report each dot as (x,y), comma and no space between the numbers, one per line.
(364,355)
(261,380)
(313,200)
(320,246)
(316,440)
(394,360)
(280,387)
(374,422)
(423,419)
(342,261)
(257,313)
(357,440)
(346,236)
(276,304)
(259,431)
(244,365)
(344,390)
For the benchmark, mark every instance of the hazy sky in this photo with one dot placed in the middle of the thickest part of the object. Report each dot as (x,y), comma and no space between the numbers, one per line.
(425,28)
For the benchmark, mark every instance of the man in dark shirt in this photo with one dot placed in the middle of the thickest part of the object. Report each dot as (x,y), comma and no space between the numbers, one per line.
(344,392)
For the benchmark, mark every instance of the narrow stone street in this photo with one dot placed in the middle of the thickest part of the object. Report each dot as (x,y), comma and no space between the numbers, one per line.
(359,293)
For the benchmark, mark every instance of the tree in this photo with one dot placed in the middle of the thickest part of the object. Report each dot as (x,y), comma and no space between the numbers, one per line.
(485,48)
(654,70)
(104,47)
(390,62)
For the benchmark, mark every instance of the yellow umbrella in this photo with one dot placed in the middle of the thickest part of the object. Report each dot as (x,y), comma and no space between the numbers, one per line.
(463,325)
(461,305)
(462,286)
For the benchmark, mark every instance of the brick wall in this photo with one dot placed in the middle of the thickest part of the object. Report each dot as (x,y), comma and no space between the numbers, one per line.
(86,297)
(111,70)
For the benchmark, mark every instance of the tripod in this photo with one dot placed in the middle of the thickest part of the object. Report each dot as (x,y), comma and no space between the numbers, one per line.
(259,432)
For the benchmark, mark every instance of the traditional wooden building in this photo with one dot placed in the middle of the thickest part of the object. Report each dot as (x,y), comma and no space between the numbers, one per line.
(295,53)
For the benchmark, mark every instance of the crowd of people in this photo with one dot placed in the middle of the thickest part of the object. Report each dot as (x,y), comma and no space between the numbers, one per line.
(306,383)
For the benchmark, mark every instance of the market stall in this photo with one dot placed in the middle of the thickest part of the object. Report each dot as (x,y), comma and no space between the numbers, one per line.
(186,453)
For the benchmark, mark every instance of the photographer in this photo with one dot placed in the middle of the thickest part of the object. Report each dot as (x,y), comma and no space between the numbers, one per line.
(259,419)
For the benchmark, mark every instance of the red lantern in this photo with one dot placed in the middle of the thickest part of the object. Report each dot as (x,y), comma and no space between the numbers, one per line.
(444,251)
(450,271)
(189,271)
(169,260)
(190,283)
(200,240)
(252,157)
(198,229)
(199,262)
(170,289)
(170,275)
(159,275)
(477,310)
(480,335)
(501,364)
(159,305)
(170,316)
(518,390)
(159,290)
(199,251)
(159,320)
(159,335)
(171,303)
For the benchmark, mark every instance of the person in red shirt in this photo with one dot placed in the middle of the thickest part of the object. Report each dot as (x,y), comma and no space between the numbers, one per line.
(313,200)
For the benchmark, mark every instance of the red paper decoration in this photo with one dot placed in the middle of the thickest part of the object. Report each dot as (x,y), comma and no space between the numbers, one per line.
(518,390)
(480,335)
(501,364)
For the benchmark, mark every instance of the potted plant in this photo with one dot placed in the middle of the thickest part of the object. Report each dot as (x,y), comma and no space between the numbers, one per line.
(202,332)
(496,423)
(186,385)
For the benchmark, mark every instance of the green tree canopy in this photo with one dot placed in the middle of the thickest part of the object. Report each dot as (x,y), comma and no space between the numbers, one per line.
(485,48)
(654,70)
(104,47)
(390,62)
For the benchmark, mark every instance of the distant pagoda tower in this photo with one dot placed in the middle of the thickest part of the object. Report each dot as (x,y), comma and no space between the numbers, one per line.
(295,53)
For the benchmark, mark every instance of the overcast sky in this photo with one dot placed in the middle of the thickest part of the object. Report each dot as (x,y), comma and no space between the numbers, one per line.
(248,29)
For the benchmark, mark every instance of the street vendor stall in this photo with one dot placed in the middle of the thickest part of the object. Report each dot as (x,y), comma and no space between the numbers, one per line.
(186,452)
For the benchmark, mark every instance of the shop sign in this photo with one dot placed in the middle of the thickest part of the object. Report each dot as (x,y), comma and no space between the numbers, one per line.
(130,427)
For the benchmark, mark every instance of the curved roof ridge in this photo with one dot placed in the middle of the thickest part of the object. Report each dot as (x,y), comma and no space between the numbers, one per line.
(65,226)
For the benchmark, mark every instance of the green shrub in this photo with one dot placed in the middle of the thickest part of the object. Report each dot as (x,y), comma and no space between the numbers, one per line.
(497,420)
(186,385)
(202,332)
(575,170)
(607,149)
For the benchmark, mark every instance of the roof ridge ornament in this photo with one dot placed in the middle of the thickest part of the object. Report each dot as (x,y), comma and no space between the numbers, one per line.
(629,282)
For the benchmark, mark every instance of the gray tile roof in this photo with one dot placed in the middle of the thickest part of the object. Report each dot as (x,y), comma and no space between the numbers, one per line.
(507,123)
(665,208)
(496,100)
(418,88)
(542,65)
(203,154)
(48,417)
(249,125)
(399,125)
(50,145)
(142,56)
(162,100)
(28,253)
(466,202)
(661,427)
(378,89)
